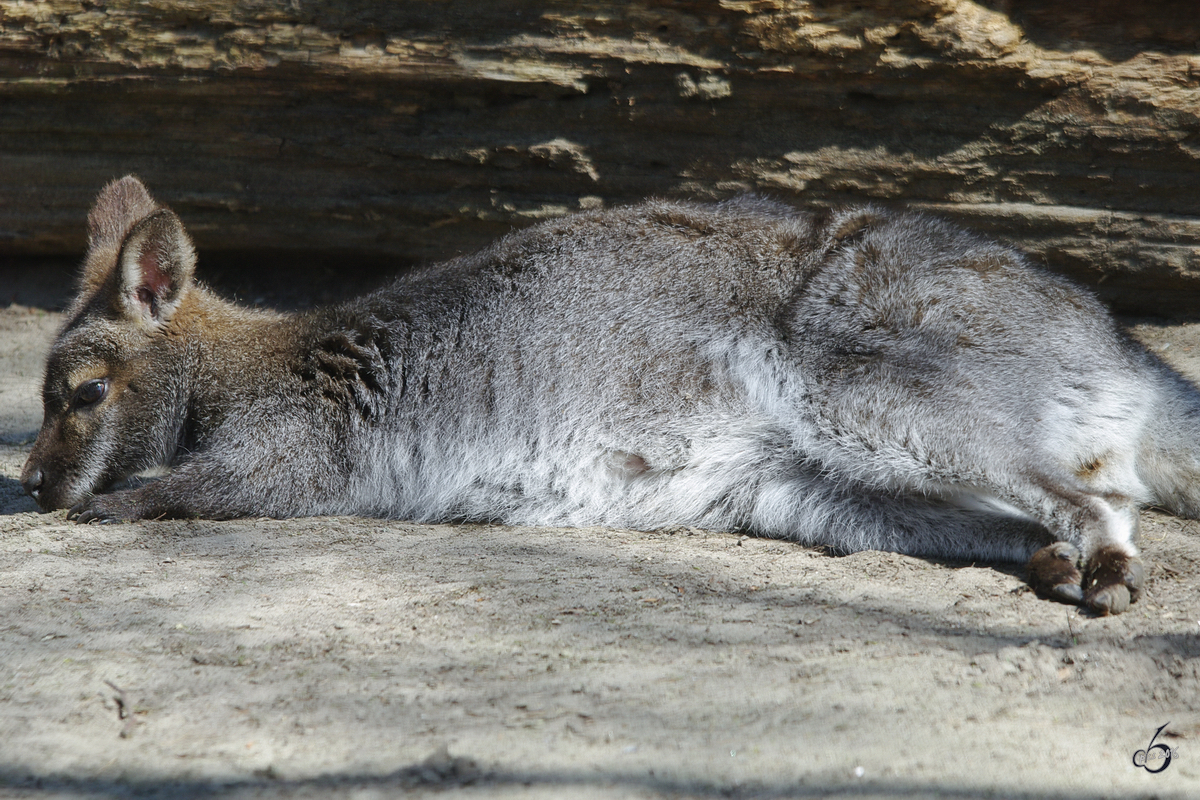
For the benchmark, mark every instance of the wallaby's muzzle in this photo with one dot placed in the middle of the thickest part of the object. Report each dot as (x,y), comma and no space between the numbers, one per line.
(51,481)
(39,482)
(32,481)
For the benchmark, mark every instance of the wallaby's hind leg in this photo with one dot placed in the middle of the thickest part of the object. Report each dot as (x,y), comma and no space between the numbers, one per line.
(933,364)
(1095,562)
(1051,473)
(1161,466)
(1072,468)
(810,506)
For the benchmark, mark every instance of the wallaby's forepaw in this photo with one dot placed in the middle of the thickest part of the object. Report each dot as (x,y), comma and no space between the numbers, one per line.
(1054,573)
(106,508)
(1112,580)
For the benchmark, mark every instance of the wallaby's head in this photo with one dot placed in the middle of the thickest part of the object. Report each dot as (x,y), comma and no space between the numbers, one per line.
(114,394)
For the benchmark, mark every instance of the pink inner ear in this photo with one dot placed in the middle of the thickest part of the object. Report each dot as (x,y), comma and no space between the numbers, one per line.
(153,277)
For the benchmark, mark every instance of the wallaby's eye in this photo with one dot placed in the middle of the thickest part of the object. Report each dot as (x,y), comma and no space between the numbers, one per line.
(92,391)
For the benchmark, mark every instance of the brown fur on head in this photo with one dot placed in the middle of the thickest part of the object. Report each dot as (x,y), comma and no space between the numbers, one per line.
(109,393)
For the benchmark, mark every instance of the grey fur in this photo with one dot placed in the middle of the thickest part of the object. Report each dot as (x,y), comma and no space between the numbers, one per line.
(863,379)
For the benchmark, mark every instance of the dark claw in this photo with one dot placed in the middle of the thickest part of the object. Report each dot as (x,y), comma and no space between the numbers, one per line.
(1071,593)
(84,513)
(1135,578)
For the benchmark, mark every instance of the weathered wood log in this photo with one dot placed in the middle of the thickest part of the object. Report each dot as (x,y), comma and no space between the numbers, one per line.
(413,130)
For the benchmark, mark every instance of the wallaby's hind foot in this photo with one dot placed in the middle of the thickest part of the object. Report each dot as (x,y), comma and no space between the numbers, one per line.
(1054,573)
(1113,579)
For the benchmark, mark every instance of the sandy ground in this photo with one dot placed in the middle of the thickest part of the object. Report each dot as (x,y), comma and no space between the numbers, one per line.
(363,658)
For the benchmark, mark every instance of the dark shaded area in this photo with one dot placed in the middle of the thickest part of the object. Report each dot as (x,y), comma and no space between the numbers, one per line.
(283,280)
(296,280)
(12,497)
(1118,29)
(47,282)
(444,773)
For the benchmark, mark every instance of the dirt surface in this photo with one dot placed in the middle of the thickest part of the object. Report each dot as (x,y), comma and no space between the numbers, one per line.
(362,658)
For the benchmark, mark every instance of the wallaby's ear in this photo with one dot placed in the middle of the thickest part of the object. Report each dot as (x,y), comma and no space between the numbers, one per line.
(154,269)
(119,206)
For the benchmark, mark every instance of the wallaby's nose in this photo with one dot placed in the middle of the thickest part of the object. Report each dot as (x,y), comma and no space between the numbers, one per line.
(32,483)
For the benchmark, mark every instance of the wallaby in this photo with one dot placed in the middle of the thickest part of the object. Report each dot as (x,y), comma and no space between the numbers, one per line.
(859,379)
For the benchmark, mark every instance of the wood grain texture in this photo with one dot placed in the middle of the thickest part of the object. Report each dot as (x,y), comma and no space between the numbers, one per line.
(416,130)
